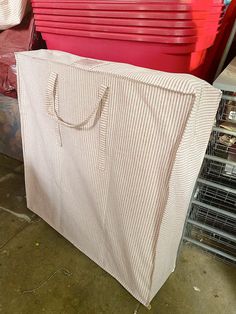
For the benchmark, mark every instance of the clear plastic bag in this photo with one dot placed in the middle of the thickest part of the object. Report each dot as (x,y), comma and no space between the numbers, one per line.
(20,38)
(8,74)
(10,134)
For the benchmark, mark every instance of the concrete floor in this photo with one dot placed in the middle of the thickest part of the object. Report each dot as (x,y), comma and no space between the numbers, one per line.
(41,272)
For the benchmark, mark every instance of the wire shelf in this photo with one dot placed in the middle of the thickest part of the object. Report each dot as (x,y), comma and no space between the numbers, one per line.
(226,114)
(210,251)
(222,143)
(219,170)
(211,223)
(213,217)
(217,244)
(216,196)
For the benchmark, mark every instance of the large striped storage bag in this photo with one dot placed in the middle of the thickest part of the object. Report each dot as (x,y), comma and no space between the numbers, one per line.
(111,153)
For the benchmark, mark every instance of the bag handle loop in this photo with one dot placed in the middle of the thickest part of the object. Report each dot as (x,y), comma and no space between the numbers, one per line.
(52,109)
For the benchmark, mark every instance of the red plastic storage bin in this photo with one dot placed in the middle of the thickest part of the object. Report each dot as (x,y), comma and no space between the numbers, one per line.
(148,55)
(131,22)
(128,29)
(71,41)
(171,15)
(163,35)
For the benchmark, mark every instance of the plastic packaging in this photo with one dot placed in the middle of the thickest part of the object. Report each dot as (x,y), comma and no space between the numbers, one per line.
(19,38)
(10,140)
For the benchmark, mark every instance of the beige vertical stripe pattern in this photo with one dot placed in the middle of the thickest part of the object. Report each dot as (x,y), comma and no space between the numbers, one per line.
(11,12)
(118,182)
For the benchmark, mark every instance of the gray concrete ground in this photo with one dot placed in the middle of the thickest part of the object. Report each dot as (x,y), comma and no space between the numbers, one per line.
(41,272)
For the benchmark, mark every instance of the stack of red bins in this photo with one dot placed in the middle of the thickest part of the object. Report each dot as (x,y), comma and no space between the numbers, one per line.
(163,35)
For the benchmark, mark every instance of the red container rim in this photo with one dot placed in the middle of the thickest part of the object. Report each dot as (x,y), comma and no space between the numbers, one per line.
(129,6)
(130,29)
(129,22)
(127,37)
(182,49)
(172,2)
(131,14)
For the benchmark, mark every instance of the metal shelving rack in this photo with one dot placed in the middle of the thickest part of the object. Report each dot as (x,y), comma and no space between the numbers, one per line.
(211,223)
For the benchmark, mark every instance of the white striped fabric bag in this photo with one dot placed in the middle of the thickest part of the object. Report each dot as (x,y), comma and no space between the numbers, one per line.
(11,12)
(111,153)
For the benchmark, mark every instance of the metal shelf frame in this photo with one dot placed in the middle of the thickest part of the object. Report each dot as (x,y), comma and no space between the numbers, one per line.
(211,222)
